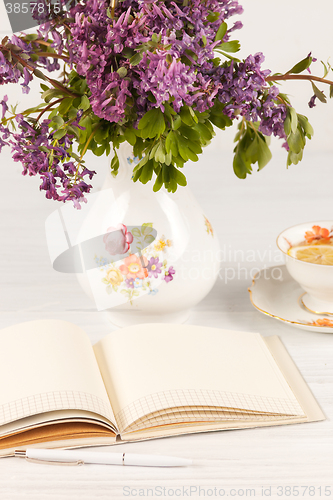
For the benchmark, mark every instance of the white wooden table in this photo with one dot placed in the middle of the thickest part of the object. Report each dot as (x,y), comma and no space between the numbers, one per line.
(247,216)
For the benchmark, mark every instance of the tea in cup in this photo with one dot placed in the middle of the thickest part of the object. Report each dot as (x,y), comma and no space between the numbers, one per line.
(308,249)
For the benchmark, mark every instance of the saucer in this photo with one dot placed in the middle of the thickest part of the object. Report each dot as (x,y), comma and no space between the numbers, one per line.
(275,293)
(315,306)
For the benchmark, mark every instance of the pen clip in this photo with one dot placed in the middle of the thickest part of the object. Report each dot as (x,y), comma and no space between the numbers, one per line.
(22,454)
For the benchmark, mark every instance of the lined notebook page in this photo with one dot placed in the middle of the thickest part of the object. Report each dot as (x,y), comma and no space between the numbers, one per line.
(148,368)
(47,366)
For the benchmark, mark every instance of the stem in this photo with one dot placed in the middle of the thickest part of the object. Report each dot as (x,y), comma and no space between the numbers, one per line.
(84,151)
(42,42)
(24,63)
(255,130)
(287,76)
(44,110)
(51,54)
(59,86)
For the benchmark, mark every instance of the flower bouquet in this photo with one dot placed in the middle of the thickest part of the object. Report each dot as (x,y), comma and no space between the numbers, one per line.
(157,74)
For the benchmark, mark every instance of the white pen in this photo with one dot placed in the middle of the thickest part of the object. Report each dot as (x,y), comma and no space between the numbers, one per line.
(80,457)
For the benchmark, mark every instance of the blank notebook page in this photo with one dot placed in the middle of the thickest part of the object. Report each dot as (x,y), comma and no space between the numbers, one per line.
(48,365)
(148,368)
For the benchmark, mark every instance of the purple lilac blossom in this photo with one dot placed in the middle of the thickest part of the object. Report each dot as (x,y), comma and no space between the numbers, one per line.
(312,102)
(58,172)
(178,67)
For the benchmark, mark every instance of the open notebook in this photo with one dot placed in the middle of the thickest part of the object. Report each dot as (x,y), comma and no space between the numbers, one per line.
(141,382)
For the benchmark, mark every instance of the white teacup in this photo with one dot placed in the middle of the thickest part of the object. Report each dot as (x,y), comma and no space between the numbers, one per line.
(315,279)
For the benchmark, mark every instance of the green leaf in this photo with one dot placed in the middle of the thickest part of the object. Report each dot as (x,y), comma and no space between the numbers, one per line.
(264,154)
(232,47)
(165,174)
(72,113)
(57,122)
(85,103)
(301,66)
(241,166)
(318,93)
(136,232)
(179,177)
(49,94)
(190,133)
(122,72)
(252,148)
(147,172)
(114,163)
(194,116)
(228,56)
(65,105)
(152,124)
(39,74)
(220,120)
(304,122)
(293,120)
(160,154)
(186,116)
(99,150)
(31,37)
(134,60)
(74,131)
(205,134)
(287,124)
(171,145)
(296,142)
(213,16)
(177,122)
(85,134)
(59,134)
(221,32)
(159,182)
(130,136)
(294,158)
(182,147)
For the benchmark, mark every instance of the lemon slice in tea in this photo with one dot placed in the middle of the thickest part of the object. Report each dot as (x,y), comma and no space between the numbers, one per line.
(315,254)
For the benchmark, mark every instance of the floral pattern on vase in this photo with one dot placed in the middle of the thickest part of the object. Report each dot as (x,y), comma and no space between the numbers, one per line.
(136,275)
(209,227)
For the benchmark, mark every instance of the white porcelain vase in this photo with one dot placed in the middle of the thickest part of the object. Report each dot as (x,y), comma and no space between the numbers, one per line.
(169,257)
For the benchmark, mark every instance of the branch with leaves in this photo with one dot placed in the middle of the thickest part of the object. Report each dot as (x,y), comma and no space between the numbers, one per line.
(129,76)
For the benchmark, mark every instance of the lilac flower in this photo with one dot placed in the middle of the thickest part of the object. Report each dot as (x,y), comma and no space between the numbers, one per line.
(39,154)
(149,53)
(154,267)
(97,41)
(27,79)
(312,102)
(4,106)
(169,274)
(272,116)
